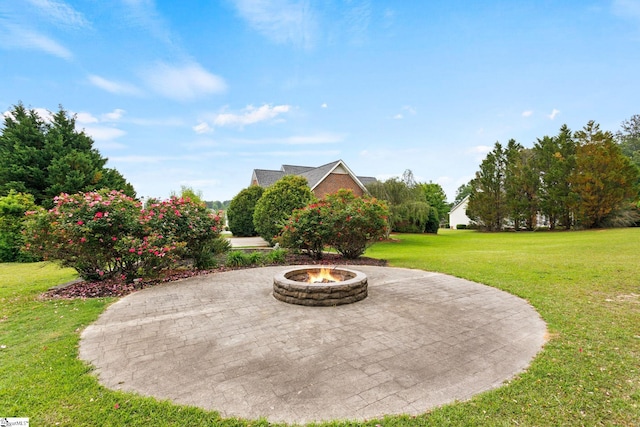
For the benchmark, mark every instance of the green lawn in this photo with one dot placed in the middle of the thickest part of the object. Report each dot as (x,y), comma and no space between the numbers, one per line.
(585,285)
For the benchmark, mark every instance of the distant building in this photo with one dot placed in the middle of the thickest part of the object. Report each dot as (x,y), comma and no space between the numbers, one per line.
(458,214)
(322,180)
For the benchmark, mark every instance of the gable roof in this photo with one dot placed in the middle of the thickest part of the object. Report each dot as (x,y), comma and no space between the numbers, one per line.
(314,175)
(266,177)
(460,203)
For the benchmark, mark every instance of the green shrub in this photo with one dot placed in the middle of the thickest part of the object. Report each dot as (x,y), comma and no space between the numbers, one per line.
(185,220)
(99,234)
(276,256)
(278,203)
(342,220)
(240,258)
(241,209)
(433,221)
(13,207)
(307,230)
(355,222)
(237,259)
(461,226)
(104,234)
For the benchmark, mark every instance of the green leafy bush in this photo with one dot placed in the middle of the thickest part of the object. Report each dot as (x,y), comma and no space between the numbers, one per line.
(182,219)
(239,258)
(355,222)
(104,234)
(307,230)
(240,212)
(278,203)
(13,207)
(276,256)
(433,221)
(342,220)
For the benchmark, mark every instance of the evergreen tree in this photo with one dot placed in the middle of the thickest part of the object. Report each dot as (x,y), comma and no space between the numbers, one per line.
(629,139)
(46,159)
(603,179)
(241,209)
(487,204)
(555,161)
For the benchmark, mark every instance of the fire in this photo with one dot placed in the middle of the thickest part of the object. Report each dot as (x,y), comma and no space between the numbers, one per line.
(322,276)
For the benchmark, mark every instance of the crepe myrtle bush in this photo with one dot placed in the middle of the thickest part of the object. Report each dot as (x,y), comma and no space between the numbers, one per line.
(307,230)
(108,234)
(355,222)
(342,220)
(182,219)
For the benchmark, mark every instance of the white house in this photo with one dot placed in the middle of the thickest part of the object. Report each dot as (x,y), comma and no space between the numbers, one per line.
(458,214)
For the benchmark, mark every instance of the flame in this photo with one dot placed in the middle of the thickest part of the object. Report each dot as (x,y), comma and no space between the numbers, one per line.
(324,274)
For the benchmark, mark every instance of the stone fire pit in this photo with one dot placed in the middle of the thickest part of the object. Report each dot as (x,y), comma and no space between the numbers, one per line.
(320,286)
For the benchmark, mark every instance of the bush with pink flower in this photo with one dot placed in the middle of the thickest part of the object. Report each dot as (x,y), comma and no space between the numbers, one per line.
(342,220)
(107,233)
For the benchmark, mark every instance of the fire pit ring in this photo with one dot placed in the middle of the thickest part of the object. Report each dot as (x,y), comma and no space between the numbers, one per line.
(291,286)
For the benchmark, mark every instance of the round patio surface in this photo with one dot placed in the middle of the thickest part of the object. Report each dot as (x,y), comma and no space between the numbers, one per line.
(223,342)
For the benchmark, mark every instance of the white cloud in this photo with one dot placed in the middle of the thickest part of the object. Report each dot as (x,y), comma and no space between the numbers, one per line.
(101,133)
(202,127)
(282,21)
(113,87)
(184,82)
(553,114)
(44,114)
(250,115)
(143,14)
(324,105)
(60,13)
(398,116)
(17,37)
(86,118)
(113,116)
(527,113)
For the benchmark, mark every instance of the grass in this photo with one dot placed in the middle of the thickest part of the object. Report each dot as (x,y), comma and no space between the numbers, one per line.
(585,285)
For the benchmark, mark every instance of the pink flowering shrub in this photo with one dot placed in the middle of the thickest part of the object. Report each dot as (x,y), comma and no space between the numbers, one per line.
(342,220)
(107,233)
(182,219)
(307,230)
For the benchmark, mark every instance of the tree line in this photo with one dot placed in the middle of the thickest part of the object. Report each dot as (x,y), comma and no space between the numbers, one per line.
(583,179)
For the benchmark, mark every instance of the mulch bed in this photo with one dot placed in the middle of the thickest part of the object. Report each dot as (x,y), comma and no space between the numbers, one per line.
(119,288)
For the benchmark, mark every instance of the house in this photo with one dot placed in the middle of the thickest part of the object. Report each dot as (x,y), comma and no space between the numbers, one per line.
(458,214)
(322,180)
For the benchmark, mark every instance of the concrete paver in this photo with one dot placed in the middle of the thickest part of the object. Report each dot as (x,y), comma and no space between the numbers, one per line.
(223,342)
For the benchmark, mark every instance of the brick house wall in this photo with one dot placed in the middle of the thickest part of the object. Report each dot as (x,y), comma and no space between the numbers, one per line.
(334,182)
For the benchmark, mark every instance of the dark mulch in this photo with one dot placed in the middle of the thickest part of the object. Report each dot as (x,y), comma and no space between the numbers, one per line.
(119,288)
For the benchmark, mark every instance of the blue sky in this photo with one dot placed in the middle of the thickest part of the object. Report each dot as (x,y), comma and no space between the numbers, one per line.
(200,93)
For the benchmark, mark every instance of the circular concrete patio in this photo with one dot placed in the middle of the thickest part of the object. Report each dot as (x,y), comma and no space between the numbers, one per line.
(222,342)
